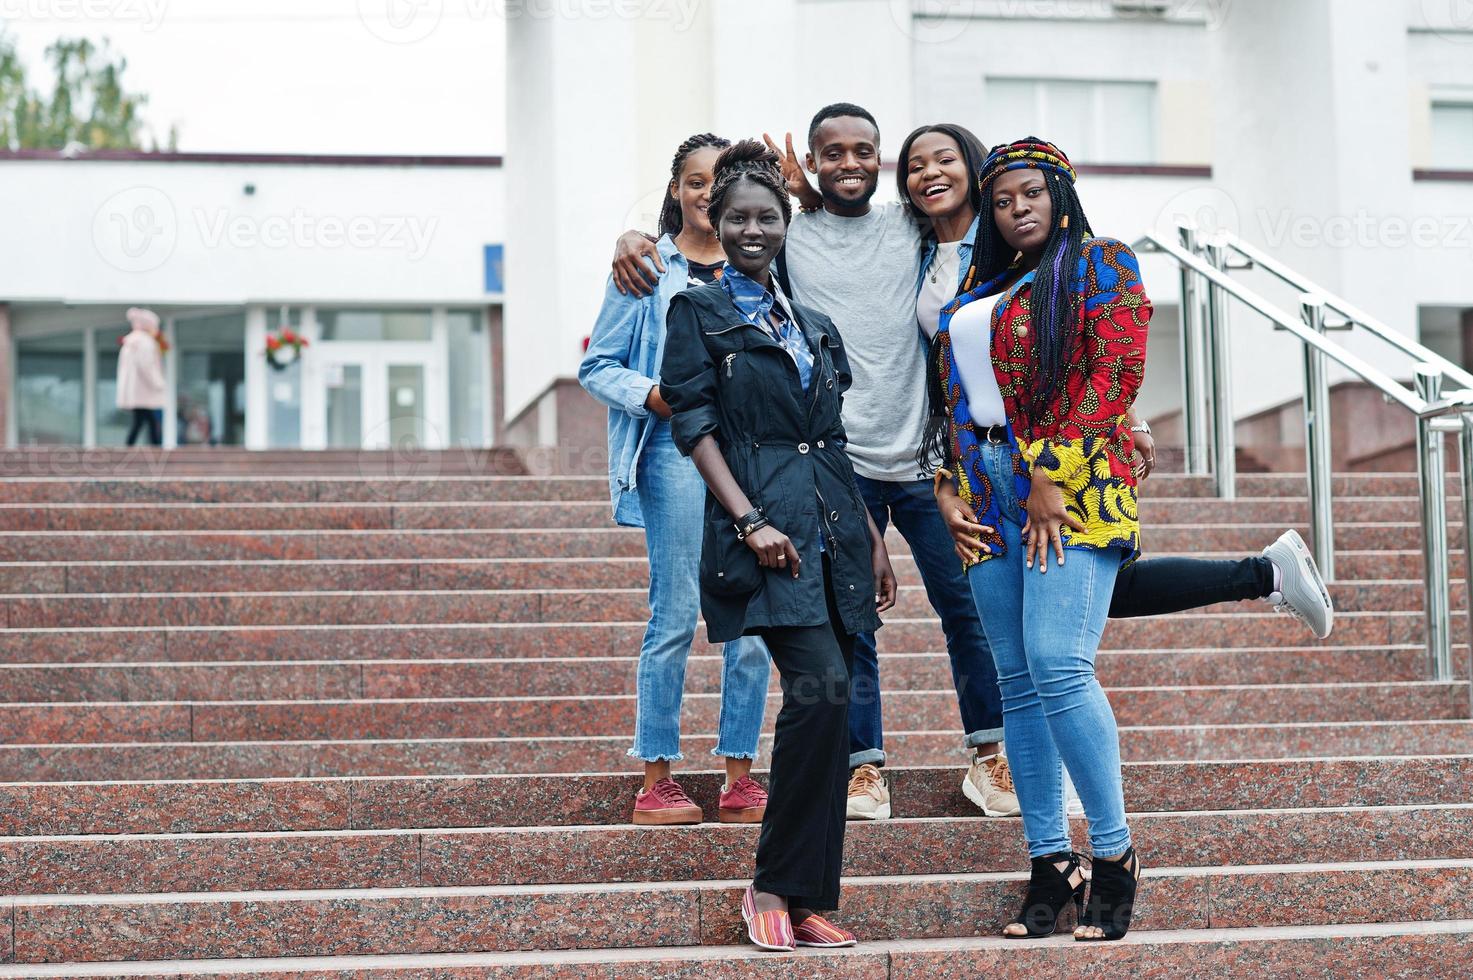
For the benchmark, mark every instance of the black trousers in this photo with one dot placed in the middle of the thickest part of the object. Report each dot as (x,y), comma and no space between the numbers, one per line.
(150,418)
(1156,586)
(801,850)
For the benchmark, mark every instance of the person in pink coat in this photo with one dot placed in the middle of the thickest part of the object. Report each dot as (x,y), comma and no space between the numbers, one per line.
(141,382)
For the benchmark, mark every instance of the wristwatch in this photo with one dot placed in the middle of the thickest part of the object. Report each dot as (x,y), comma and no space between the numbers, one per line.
(1144,427)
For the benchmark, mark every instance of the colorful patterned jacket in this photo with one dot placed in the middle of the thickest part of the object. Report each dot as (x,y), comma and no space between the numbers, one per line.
(1082,440)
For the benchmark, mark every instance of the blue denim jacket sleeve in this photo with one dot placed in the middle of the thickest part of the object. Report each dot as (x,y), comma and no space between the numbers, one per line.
(605,372)
(688,378)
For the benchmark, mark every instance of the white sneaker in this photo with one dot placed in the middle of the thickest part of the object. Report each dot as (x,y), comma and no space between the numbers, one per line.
(989,784)
(1073,805)
(869,797)
(1301,593)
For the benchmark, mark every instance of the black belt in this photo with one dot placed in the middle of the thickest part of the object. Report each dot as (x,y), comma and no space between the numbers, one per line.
(995,434)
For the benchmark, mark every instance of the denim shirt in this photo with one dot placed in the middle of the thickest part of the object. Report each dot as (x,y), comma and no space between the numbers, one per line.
(622,365)
(963,253)
(755,302)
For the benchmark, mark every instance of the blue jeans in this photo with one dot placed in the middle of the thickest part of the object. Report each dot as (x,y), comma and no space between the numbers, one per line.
(1044,629)
(672,497)
(912,505)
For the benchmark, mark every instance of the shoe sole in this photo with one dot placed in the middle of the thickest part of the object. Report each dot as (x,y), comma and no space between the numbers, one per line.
(667,818)
(843,945)
(1302,578)
(752,814)
(881,812)
(974,794)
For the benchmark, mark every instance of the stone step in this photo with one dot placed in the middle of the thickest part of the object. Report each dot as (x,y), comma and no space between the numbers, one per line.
(312,489)
(155,863)
(472,919)
(71,463)
(312,575)
(454,641)
(1325,952)
(580,715)
(570,515)
(607,753)
(221,545)
(408,606)
(556,676)
(84,486)
(406,802)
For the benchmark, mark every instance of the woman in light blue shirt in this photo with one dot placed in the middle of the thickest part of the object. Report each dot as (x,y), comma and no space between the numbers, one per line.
(652,486)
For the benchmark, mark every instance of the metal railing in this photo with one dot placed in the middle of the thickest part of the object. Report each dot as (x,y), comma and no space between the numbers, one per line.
(1208,420)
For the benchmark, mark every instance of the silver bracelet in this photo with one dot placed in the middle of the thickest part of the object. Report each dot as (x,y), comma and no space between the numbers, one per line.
(1143,427)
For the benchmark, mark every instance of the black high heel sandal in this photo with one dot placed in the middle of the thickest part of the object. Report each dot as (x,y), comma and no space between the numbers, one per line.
(1049,891)
(1112,891)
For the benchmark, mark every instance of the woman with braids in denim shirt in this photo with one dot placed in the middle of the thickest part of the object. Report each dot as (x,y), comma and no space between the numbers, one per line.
(653,487)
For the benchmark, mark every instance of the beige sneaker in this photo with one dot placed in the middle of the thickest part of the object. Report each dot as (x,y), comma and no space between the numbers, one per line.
(989,784)
(869,797)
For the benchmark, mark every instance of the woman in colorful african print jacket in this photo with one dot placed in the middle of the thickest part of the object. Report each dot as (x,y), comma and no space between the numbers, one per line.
(1029,394)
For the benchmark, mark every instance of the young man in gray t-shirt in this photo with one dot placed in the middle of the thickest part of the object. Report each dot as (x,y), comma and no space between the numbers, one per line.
(861,265)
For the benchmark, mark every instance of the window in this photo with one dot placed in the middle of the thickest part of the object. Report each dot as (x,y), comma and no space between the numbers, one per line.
(1452,135)
(1093,122)
(211,366)
(283,388)
(374,325)
(469,392)
(48,390)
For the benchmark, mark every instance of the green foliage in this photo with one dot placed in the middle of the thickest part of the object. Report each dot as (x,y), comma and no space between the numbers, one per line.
(89,102)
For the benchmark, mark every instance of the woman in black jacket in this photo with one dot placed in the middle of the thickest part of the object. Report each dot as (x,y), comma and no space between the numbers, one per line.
(789,552)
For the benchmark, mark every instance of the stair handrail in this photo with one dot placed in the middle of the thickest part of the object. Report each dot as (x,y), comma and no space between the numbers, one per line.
(1353,314)
(1206,287)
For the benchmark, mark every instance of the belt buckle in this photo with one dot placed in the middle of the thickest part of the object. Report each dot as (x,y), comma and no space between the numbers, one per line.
(992,441)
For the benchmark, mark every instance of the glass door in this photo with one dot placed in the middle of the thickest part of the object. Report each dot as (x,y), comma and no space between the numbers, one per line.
(377,396)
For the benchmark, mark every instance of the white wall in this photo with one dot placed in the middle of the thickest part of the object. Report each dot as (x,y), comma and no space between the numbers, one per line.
(188,234)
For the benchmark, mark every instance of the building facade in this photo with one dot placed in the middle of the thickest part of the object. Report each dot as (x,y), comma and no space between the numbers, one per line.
(1335,134)
(388,268)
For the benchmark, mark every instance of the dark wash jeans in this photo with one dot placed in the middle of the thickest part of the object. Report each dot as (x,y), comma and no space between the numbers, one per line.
(912,506)
(1148,587)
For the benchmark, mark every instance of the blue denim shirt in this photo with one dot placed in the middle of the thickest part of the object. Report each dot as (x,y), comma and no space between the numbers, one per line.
(963,253)
(755,302)
(620,368)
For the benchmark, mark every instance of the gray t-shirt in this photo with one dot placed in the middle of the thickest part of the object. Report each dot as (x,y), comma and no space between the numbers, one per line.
(862,272)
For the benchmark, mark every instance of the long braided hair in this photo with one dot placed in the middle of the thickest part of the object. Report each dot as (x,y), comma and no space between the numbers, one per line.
(748,160)
(1055,299)
(672,219)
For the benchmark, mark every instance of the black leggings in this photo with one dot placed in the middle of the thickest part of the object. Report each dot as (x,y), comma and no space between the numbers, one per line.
(150,418)
(1156,586)
(801,850)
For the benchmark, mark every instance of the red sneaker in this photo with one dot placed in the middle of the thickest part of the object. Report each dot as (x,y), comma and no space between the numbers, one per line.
(744,801)
(663,804)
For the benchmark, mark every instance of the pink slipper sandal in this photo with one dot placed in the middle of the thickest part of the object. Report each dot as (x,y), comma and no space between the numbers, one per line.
(818,931)
(767,930)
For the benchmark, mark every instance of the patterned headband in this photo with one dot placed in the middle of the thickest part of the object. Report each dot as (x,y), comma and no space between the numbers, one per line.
(1027,153)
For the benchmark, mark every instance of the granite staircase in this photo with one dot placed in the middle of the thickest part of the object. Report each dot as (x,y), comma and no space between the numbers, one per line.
(321,718)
